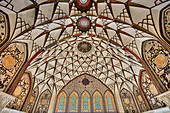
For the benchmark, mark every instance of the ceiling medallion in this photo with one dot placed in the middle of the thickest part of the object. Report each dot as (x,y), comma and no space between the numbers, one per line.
(84,47)
(83,24)
(85,81)
(83,5)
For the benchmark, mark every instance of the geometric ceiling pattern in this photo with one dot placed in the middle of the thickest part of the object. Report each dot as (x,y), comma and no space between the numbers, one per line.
(107,27)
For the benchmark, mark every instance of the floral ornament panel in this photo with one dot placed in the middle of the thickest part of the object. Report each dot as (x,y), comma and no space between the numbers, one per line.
(128,101)
(32,101)
(61,102)
(44,102)
(109,101)
(139,99)
(166,23)
(158,58)
(73,102)
(3,28)
(150,91)
(11,60)
(97,102)
(20,92)
(85,102)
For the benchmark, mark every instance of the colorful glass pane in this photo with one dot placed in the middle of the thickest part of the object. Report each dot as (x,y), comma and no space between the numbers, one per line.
(85,102)
(61,102)
(109,101)
(97,100)
(73,102)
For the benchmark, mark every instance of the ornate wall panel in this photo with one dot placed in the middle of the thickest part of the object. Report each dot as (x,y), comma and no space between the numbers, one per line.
(150,91)
(32,100)
(158,58)
(165,23)
(11,60)
(61,102)
(139,98)
(128,101)
(73,102)
(97,102)
(21,92)
(85,102)
(43,102)
(109,100)
(4,28)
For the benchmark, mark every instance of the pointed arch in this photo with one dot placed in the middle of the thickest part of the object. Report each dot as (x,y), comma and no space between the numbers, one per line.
(73,102)
(109,102)
(128,101)
(43,102)
(97,102)
(21,92)
(32,100)
(61,102)
(139,99)
(156,56)
(85,102)
(149,90)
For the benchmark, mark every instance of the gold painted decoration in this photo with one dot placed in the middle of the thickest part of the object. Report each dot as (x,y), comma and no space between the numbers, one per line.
(11,60)
(157,58)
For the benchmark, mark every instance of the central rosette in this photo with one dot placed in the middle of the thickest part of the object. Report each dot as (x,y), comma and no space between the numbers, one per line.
(83,5)
(83,24)
(84,47)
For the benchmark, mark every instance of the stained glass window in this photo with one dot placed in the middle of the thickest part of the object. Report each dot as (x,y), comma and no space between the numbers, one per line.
(85,102)
(73,102)
(61,102)
(97,102)
(109,101)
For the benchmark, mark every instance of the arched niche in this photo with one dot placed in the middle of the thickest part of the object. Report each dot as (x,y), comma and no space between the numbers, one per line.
(21,92)
(86,86)
(43,102)
(32,100)
(128,101)
(140,100)
(157,58)
(12,60)
(4,28)
(164,23)
(149,90)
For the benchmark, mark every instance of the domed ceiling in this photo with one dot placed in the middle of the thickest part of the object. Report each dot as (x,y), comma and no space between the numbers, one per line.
(67,38)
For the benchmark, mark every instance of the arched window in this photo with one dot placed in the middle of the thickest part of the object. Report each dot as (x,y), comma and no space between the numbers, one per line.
(109,101)
(73,102)
(43,102)
(85,102)
(150,90)
(97,102)
(128,102)
(61,102)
